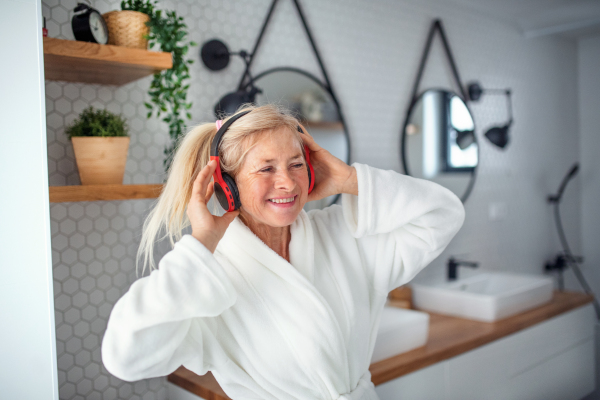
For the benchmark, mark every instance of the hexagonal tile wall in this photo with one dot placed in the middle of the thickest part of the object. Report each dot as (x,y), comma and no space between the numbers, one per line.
(371,50)
(93,268)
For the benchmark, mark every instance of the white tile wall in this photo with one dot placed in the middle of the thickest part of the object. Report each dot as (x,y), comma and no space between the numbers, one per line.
(371,50)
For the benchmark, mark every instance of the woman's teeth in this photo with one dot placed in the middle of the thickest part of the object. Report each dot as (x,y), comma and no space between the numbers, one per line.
(289,200)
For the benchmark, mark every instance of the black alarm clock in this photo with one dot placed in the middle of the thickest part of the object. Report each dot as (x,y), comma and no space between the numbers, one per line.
(88,25)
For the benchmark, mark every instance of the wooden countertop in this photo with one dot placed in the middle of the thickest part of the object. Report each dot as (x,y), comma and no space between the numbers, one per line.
(448,337)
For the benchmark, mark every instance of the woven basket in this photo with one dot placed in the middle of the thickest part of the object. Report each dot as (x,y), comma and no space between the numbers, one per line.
(127,28)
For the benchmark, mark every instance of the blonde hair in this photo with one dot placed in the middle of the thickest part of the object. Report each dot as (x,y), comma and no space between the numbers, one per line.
(191,155)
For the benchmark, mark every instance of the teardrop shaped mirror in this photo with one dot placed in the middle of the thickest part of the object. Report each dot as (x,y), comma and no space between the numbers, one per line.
(439,142)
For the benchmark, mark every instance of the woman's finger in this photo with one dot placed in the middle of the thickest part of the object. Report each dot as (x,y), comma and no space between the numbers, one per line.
(196,188)
(209,192)
(206,173)
(309,140)
(201,182)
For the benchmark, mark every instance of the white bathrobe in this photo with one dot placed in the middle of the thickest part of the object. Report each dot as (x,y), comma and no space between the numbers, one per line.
(269,329)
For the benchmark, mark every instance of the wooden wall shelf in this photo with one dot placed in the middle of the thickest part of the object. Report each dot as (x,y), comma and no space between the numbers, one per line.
(60,194)
(74,61)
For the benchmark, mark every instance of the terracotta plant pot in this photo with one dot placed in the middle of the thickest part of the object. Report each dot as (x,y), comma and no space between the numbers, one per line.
(101,160)
(127,28)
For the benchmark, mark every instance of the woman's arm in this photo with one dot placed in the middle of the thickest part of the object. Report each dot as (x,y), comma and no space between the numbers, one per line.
(401,223)
(147,332)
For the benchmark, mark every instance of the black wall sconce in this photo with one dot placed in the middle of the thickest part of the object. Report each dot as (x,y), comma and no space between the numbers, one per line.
(215,55)
(497,135)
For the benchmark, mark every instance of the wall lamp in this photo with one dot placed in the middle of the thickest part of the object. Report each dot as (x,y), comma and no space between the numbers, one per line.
(215,55)
(497,135)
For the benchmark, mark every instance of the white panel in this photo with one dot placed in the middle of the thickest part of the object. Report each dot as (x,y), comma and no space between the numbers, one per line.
(424,384)
(568,376)
(28,351)
(480,373)
(485,371)
(589,172)
(543,341)
(175,392)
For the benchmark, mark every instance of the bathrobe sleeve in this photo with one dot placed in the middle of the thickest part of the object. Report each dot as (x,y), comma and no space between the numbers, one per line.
(147,332)
(400,223)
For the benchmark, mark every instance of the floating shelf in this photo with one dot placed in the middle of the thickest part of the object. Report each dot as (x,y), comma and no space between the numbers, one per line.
(60,194)
(328,125)
(75,61)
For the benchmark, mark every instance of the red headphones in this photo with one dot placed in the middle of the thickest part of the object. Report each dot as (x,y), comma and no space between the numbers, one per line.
(225,188)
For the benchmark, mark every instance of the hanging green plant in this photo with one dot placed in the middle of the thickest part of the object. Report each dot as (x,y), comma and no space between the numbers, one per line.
(168,90)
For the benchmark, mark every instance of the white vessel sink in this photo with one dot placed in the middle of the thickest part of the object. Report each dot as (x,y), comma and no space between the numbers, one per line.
(400,330)
(484,297)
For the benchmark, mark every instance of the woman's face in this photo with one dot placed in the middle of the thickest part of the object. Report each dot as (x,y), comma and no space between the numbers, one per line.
(273,180)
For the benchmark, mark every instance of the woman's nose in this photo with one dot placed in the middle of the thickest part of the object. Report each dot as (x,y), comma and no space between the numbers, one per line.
(285,181)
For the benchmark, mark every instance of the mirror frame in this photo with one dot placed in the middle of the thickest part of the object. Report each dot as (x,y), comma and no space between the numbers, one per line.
(323,86)
(413,102)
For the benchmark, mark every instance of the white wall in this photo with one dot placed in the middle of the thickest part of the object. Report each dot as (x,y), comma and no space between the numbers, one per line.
(589,114)
(27,334)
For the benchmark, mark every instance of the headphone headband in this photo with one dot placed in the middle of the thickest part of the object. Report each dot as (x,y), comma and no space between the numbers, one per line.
(214,147)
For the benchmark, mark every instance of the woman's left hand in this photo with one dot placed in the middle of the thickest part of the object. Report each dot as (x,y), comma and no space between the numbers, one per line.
(332,175)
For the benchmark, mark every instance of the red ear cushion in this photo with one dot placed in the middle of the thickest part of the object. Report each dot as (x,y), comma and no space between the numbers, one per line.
(311,172)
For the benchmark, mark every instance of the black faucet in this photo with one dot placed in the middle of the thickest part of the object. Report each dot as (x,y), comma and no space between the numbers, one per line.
(453,267)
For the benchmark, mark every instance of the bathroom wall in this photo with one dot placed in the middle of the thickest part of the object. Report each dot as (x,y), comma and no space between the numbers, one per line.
(589,104)
(371,51)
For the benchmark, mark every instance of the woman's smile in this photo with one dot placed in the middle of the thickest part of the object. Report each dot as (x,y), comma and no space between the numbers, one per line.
(283,201)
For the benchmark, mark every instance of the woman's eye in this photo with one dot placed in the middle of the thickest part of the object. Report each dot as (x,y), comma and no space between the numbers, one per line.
(268,169)
(298,165)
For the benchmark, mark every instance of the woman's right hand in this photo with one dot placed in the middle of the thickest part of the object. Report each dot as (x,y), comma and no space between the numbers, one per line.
(208,229)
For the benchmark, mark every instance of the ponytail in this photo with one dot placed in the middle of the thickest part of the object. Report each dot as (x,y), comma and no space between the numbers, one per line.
(191,156)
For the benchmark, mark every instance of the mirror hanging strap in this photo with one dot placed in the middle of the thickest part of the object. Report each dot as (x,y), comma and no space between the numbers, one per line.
(437,26)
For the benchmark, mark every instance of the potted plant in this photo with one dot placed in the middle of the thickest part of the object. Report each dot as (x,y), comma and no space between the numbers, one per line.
(100,142)
(168,90)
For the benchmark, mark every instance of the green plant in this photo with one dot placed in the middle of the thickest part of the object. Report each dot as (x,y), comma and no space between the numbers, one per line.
(101,123)
(143,6)
(168,90)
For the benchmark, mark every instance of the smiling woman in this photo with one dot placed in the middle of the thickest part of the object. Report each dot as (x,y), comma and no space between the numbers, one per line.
(278,303)
(273,184)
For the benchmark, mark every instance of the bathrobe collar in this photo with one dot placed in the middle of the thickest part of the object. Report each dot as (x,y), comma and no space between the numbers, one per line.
(301,265)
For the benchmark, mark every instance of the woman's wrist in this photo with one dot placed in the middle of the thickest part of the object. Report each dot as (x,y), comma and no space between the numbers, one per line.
(207,239)
(350,185)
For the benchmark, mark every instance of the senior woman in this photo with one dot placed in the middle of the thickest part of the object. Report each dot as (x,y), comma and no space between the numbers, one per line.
(276,302)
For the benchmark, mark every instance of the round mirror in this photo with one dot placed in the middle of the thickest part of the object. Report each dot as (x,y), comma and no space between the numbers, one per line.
(307,97)
(439,143)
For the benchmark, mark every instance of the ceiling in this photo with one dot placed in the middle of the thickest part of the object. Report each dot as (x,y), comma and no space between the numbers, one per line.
(535,18)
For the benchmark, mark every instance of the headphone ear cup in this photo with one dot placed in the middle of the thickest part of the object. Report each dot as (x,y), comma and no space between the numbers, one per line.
(229,181)
(309,167)
(221,195)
